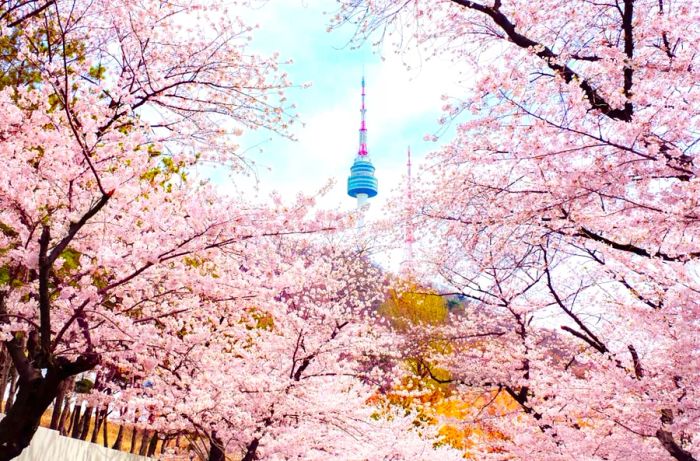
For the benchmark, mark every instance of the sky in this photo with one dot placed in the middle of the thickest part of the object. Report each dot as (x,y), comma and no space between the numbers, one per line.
(403,105)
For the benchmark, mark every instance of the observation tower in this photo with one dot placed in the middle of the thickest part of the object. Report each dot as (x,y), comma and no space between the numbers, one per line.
(362,184)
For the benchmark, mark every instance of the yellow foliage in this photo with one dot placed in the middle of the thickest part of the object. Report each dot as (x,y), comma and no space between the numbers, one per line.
(260,319)
(459,416)
(413,306)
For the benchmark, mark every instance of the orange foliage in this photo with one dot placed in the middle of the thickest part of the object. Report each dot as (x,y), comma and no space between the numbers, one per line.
(462,417)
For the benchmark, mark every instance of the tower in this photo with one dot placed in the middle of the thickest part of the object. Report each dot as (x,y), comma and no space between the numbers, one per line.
(409,210)
(362,184)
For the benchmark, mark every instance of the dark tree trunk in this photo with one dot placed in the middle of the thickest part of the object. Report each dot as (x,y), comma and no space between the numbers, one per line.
(66,412)
(56,413)
(35,392)
(120,434)
(251,452)
(22,419)
(96,427)
(144,443)
(6,366)
(64,415)
(105,432)
(74,428)
(58,404)
(216,452)
(164,445)
(85,423)
(40,373)
(71,419)
(13,388)
(133,439)
(675,450)
(152,445)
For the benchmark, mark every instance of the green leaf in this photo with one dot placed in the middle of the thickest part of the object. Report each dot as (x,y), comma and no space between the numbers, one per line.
(71,259)
(7,230)
(5,276)
(84,386)
(97,72)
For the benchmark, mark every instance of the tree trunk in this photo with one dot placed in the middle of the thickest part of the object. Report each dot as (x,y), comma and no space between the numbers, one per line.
(152,445)
(675,450)
(216,450)
(13,388)
(57,410)
(58,404)
(64,415)
(35,392)
(251,452)
(75,421)
(164,445)
(6,366)
(144,443)
(105,432)
(22,419)
(40,374)
(85,423)
(96,427)
(133,440)
(56,413)
(118,443)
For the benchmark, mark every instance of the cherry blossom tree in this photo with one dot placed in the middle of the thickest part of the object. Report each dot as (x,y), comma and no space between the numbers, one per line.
(299,378)
(291,376)
(194,311)
(106,244)
(566,210)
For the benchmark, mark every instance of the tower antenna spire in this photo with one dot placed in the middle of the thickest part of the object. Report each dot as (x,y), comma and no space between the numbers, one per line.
(363,124)
(362,184)
(408,265)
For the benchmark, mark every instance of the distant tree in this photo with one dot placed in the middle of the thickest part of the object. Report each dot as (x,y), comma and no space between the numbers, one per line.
(420,318)
(408,305)
(292,378)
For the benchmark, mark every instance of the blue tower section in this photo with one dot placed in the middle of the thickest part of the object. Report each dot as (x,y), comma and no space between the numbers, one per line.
(362,184)
(362,180)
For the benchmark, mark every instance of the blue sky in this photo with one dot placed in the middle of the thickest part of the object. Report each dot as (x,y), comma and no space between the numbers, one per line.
(403,105)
